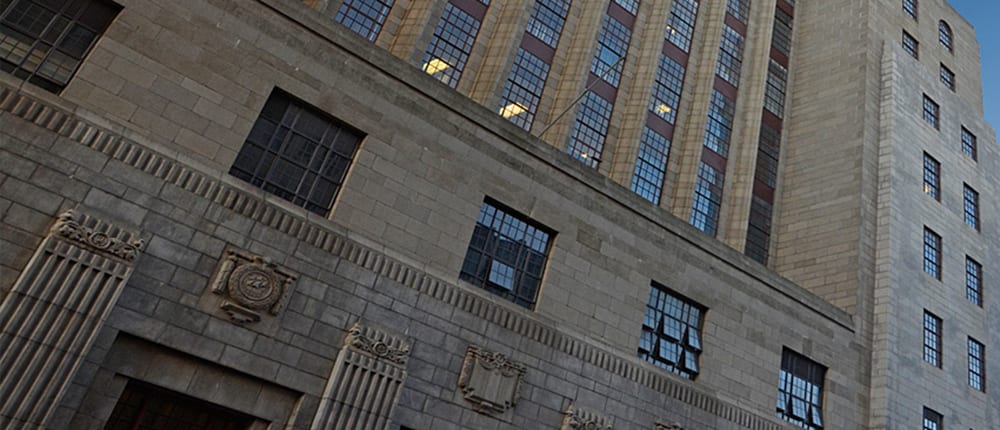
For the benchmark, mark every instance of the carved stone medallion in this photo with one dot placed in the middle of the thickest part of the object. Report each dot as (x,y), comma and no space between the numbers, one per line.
(579,419)
(490,381)
(252,285)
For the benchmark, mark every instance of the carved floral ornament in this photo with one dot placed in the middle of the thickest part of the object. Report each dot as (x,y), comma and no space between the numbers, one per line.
(80,229)
(579,419)
(252,284)
(378,343)
(490,381)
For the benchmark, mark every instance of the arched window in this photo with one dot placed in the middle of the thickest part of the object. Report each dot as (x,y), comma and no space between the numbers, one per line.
(944,35)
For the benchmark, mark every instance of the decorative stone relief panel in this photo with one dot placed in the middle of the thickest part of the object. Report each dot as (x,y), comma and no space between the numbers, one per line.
(251,285)
(579,419)
(672,426)
(490,381)
(367,378)
(50,318)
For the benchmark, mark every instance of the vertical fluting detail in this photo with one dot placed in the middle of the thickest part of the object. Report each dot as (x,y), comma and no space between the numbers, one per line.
(49,320)
(365,383)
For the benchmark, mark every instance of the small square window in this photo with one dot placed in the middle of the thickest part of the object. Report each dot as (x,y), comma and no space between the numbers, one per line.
(800,390)
(507,254)
(44,42)
(948,77)
(910,7)
(977,365)
(671,332)
(932,339)
(932,253)
(932,177)
(297,152)
(974,281)
(932,112)
(969,145)
(933,420)
(910,45)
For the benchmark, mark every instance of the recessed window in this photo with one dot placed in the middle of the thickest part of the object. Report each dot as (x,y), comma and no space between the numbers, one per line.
(547,20)
(977,367)
(591,129)
(612,46)
(667,89)
(631,6)
(730,56)
(719,128)
(782,38)
(970,199)
(297,152)
(932,112)
(739,9)
(910,7)
(910,45)
(145,406)
(932,339)
(948,77)
(680,28)
(945,35)
(707,199)
(932,253)
(800,390)
(671,332)
(524,89)
(451,45)
(933,420)
(759,230)
(507,254)
(969,145)
(932,177)
(651,165)
(774,94)
(44,42)
(364,17)
(974,281)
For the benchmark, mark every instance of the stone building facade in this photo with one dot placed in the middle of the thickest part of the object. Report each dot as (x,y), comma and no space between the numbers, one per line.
(474,214)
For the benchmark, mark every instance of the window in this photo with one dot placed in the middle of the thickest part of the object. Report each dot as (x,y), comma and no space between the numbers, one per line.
(523,91)
(932,177)
(910,7)
(932,339)
(759,231)
(667,89)
(932,112)
(730,56)
(768,150)
(297,152)
(587,141)
(612,45)
(774,96)
(680,28)
(671,332)
(800,390)
(719,127)
(974,281)
(944,35)
(707,199)
(933,420)
(970,199)
(364,17)
(739,9)
(450,47)
(547,20)
(910,45)
(932,253)
(782,38)
(977,369)
(651,166)
(948,77)
(44,41)
(969,144)
(507,254)
(148,407)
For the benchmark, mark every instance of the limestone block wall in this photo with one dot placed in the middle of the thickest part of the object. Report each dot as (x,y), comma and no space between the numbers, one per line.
(389,254)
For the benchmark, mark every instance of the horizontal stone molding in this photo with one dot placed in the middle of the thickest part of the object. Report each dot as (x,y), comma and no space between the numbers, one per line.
(312,231)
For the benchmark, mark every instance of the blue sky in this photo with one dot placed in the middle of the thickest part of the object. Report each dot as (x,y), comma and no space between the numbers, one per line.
(982,14)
